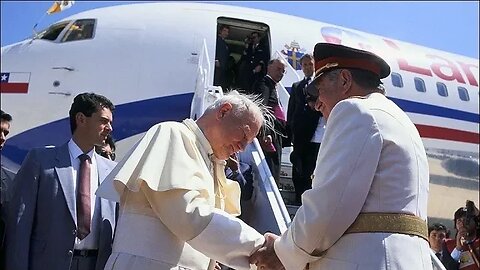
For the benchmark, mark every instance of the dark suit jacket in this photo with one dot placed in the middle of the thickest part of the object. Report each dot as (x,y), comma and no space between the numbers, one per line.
(222,52)
(258,56)
(301,120)
(265,87)
(447,247)
(41,231)
(6,178)
(252,57)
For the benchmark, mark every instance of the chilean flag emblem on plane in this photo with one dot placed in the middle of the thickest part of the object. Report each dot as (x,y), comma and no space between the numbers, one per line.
(14,82)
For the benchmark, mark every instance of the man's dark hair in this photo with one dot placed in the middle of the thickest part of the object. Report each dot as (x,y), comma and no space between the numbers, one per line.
(306,56)
(110,141)
(461,212)
(5,116)
(223,26)
(88,103)
(437,227)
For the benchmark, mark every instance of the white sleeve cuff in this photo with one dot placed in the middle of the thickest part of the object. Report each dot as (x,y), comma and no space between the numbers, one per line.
(291,256)
(228,240)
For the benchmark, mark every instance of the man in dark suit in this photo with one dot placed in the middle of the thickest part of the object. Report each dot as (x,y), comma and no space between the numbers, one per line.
(255,56)
(5,184)
(271,140)
(55,220)
(222,52)
(302,122)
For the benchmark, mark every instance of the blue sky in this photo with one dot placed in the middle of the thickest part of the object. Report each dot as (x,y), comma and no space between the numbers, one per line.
(447,26)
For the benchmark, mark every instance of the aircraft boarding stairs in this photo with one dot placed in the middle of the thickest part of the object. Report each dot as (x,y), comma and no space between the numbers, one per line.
(270,209)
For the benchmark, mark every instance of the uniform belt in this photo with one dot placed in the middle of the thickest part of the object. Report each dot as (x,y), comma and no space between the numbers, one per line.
(85,252)
(389,223)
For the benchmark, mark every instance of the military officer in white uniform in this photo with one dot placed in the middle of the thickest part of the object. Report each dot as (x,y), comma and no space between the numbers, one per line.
(367,209)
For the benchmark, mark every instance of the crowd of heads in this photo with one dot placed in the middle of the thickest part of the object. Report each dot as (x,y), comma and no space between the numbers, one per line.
(465,221)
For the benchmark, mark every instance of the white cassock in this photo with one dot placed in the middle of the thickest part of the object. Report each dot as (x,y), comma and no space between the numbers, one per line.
(172,193)
(371,160)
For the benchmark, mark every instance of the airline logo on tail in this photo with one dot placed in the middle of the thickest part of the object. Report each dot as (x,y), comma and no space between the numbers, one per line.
(15,82)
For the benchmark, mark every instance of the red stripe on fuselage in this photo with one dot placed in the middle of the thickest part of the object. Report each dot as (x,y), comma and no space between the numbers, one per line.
(448,134)
(14,88)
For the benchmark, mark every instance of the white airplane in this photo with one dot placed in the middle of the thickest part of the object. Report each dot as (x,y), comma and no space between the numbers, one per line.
(155,62)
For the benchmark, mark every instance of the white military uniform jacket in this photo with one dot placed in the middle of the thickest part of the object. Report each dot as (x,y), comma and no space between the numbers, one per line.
(371,160)
(169,216)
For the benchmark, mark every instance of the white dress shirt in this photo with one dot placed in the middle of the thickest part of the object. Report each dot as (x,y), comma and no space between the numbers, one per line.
(91,241)
(318,135)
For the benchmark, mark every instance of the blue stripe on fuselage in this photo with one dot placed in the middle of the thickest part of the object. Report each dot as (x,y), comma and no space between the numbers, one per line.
(137,117)
(129,119)
(433,110)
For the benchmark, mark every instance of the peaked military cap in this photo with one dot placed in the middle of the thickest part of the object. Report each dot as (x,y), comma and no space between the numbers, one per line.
(330,56)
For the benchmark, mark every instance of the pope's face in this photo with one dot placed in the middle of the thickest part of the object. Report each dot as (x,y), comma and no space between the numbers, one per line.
(233,135)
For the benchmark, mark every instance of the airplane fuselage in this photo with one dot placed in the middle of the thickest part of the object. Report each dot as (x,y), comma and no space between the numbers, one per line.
(147,59)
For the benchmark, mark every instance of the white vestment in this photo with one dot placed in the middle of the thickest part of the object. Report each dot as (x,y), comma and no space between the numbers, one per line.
(172,193)
(371,160)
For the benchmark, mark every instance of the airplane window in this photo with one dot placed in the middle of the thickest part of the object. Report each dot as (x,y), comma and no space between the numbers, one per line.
(442,89)
(80,30)
(420,85)
(463,93)
(397,80)
(53,31)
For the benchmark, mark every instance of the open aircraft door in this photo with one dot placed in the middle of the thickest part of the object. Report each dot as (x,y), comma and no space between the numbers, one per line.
(265,211)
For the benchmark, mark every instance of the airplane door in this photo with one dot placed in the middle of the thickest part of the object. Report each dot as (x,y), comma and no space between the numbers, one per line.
(249,49)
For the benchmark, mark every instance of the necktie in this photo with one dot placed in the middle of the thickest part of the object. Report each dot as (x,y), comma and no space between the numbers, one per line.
(439,255)
(83,197)
(307,81)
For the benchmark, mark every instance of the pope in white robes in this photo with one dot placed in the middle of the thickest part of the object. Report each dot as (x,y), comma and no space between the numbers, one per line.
(176,206)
